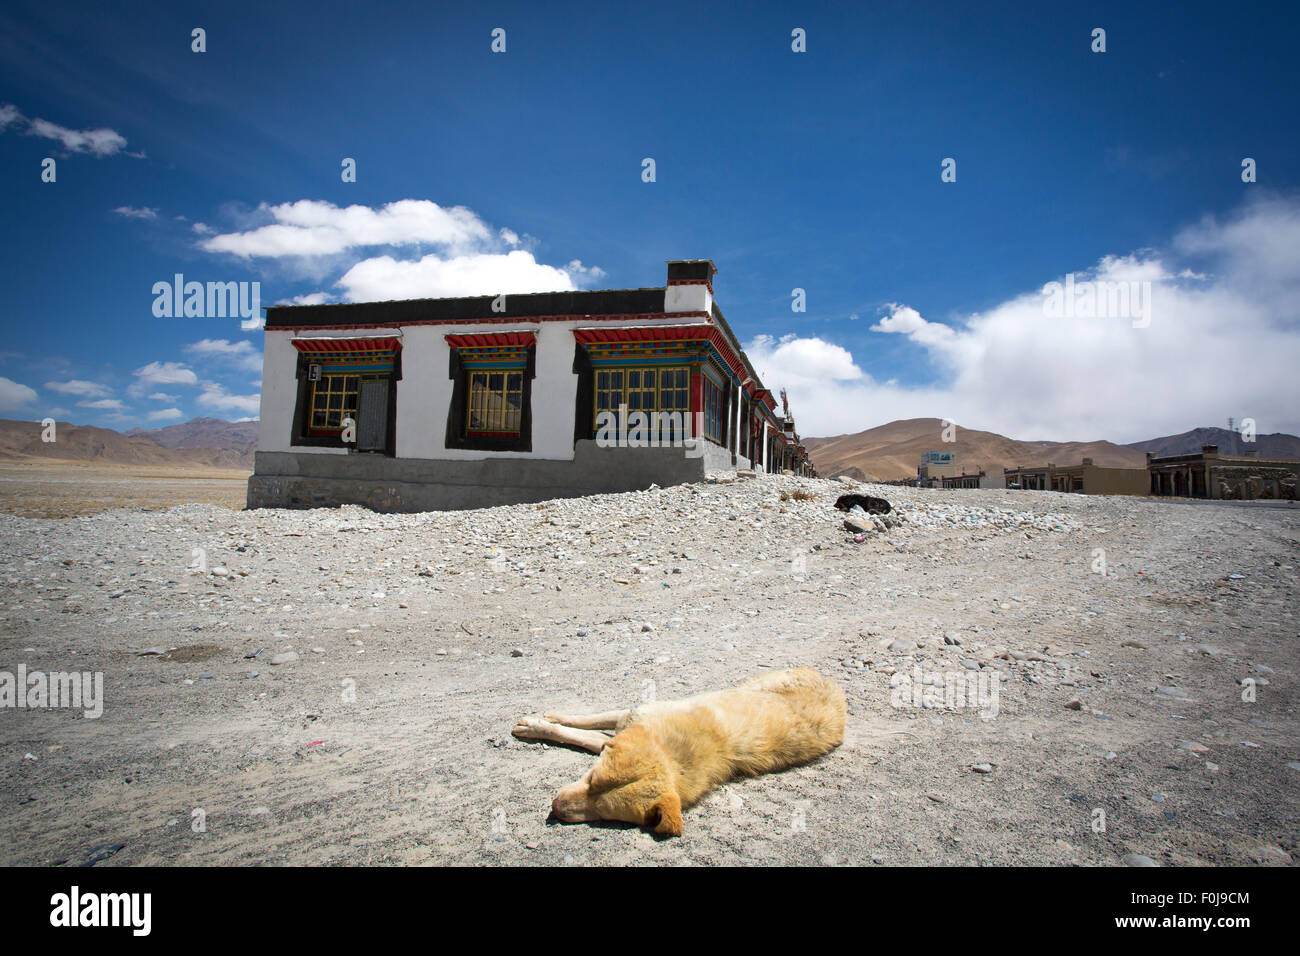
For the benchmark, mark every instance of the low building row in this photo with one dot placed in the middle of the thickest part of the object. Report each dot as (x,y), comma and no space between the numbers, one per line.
(431,404)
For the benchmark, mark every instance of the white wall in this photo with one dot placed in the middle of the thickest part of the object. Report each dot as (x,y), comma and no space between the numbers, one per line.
(279,395)
(424,392)
(687,298)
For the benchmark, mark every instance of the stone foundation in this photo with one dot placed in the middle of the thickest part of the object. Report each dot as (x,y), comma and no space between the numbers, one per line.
(306,480)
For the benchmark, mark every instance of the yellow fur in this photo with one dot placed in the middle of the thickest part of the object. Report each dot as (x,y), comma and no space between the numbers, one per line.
(666,755)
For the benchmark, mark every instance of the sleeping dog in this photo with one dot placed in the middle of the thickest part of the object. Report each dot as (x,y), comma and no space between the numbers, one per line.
(665,756)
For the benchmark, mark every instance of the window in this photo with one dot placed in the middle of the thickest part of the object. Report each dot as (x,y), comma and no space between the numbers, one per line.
(342,379)
(649,390)
(495,404)
(333,398)
(712,411)
(609,390)
(491,404)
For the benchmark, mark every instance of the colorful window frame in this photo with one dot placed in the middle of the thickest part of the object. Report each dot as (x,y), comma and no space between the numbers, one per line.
(333,398)
(649,389)
(494,406)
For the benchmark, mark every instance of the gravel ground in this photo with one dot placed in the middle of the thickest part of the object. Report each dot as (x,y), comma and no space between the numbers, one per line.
(1146,712)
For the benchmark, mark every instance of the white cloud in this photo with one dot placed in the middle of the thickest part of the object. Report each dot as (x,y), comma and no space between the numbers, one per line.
(215,396)
(382,278)
(315,237)
(161,373)
(241,354)
(165,414)
(1222,341)
(163,397)
(203,229)
(167,373)
(15,395)
(312,227)
(103,403)
(79,387)
(97,142)
(132,212)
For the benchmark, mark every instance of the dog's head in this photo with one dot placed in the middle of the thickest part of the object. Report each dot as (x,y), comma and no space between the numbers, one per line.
(632,781)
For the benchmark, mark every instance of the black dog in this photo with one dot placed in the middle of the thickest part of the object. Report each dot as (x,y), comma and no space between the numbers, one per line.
(872,506)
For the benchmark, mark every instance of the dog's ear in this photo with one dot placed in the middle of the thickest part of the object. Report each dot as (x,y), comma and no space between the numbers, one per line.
(665,815)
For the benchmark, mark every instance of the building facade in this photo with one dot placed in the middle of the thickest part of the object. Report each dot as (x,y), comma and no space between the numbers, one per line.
(1225,477)
(974,480)
(1084,478)
(434,404)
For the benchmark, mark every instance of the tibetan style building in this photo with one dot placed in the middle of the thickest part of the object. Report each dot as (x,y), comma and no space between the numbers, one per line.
(433,404)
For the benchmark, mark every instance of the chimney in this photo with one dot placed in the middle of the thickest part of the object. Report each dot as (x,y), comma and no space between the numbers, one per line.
(1087,461)
(1209,451)
(690,285)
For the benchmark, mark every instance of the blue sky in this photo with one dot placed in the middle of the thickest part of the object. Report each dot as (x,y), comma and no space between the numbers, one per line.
(817,170)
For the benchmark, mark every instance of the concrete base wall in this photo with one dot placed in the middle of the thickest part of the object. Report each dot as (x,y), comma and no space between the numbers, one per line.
(306,480)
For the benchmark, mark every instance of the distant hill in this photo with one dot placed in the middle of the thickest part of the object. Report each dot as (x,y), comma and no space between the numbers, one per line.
(203,433)
(893,451)
(1276,445)
(21,441)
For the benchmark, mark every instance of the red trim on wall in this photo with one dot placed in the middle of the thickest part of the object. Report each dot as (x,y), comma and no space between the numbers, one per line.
(504,320)
(697,402)
(344,346)
(707,283)
(667,333)
(480,340)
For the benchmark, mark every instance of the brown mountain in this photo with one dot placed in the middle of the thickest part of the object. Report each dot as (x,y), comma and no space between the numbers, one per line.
(21,441)
(203,433)
(893,451)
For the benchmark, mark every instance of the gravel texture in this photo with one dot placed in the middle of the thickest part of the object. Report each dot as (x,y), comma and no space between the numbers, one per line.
(338,686)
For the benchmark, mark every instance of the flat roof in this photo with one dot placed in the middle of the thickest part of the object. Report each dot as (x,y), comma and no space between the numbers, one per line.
(471,308)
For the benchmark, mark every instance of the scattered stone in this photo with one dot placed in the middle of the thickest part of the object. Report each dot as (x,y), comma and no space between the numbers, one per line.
(1137,859)
(287,657)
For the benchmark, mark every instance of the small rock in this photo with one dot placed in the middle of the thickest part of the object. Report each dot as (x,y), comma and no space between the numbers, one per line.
(1137,859)
(288,657)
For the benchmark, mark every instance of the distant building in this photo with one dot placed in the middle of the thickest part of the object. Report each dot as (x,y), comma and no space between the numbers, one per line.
(433,404)
(934,467)
(977,480)
(1224,477)
(1084,478)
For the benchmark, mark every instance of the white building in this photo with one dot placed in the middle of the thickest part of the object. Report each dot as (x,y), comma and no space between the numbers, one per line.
(431,404)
